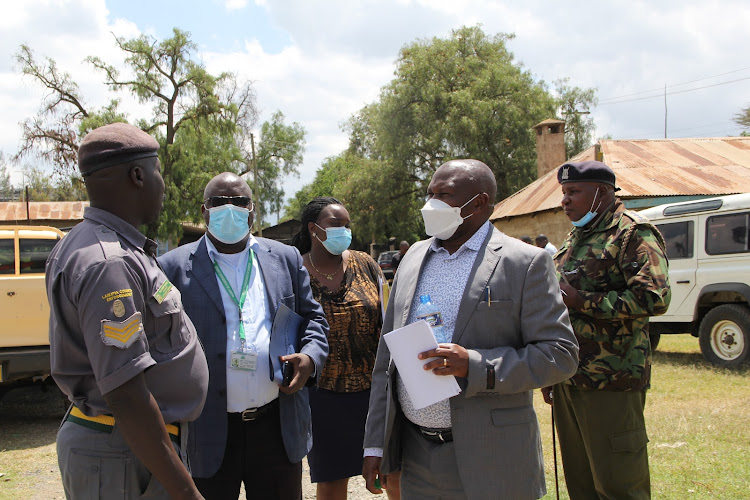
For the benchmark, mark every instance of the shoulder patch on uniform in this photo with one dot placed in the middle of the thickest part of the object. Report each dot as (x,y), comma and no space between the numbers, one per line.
(162,292)
(109,241)
(122,334)
(640,219)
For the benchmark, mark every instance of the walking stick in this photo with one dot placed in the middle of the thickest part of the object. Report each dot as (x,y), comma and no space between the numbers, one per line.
(554,454)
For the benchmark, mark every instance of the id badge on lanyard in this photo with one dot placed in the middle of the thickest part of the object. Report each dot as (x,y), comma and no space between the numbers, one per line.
(244,359)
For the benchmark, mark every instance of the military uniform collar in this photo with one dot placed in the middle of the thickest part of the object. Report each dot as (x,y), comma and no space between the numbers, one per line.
(606,220)
(122,228)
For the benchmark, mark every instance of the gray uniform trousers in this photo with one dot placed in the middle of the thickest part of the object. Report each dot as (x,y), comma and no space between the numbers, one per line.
(99,465)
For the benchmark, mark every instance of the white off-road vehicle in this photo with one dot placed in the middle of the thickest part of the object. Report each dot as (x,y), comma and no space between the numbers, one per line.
(708,246)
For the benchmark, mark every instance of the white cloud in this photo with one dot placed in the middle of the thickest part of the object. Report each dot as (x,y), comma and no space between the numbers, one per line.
(235,4)
(341,53)
(318,92)
(63,30)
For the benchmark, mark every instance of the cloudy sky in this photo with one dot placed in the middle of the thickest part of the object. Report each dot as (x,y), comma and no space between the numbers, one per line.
(321,61)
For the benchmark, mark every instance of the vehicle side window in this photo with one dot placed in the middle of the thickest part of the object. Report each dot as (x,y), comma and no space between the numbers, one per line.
(727,234)
(7,257)
(34,254)
(679,239)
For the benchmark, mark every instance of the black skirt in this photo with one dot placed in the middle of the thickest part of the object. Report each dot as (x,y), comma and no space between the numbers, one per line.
(338,424)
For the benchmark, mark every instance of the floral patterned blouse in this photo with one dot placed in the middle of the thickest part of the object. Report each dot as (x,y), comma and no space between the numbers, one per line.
(354,316)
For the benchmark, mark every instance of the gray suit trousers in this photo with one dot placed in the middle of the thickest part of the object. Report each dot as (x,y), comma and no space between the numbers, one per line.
(429,470)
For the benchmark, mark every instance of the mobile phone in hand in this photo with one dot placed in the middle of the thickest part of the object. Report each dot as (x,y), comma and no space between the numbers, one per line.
(287,370)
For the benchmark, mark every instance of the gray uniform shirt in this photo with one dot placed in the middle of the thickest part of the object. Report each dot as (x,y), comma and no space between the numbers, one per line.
(114,314)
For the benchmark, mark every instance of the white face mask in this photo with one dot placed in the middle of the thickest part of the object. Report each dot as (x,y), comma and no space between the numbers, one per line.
(441,220)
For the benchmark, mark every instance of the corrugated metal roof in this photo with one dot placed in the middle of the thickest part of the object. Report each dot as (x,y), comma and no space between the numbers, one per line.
(42,210)
(646,168)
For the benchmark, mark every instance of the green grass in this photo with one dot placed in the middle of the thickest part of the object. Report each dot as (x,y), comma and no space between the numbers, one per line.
(697,416)
(697,420)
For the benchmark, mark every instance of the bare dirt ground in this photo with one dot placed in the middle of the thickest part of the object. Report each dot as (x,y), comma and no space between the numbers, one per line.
(29,419)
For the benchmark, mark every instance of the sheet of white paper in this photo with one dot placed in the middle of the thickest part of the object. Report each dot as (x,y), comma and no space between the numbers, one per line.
(424,387)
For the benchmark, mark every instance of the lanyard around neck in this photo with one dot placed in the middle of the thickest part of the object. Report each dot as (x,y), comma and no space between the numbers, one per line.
(245,281)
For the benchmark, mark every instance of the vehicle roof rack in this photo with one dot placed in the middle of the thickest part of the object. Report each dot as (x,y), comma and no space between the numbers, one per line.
(698,206)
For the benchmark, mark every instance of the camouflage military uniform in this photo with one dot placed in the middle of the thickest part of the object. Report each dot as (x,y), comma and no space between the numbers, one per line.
(619,267)
(622,287)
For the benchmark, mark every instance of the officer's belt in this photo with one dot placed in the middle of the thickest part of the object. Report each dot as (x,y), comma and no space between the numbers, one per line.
(105,423)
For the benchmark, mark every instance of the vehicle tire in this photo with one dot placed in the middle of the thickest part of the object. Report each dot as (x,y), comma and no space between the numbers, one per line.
(725,335)
(654,338)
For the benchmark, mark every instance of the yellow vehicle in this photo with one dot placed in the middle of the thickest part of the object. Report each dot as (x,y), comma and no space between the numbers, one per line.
(24,331)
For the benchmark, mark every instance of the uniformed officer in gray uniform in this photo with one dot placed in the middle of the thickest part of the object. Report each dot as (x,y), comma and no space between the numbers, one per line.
(122,347)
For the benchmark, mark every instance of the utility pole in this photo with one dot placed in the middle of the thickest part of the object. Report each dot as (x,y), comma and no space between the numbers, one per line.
(256,196)
(665,110)
(28,215)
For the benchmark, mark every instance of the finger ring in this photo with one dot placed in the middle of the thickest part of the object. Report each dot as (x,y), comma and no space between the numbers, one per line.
(445,362)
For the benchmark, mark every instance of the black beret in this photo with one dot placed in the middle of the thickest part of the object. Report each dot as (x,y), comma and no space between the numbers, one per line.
(586,171)
(112,145)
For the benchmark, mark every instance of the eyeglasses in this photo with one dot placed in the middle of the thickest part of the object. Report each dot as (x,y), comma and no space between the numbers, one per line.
(237,201)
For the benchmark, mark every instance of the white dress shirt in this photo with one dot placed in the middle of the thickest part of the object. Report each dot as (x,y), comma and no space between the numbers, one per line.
(246,389)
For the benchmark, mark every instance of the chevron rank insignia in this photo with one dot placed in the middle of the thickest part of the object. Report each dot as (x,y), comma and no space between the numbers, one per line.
(122,334)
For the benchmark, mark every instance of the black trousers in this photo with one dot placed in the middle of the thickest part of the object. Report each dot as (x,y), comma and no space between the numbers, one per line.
(254,455)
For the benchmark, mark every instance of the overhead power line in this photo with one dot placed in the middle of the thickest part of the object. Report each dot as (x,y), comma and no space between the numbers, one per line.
(660,96)
(661,89)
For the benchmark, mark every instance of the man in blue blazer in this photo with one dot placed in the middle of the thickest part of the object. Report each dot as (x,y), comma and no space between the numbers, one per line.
(255,427)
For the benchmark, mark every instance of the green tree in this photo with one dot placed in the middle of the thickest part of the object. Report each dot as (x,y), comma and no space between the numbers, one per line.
(38,184)
(279,153)
(743,120)
(53,134)
(328,179)
(574,105)
(367,188)
(7,193)
(381,202)
(186,98)
(196,117)
(462,96)
(41,186)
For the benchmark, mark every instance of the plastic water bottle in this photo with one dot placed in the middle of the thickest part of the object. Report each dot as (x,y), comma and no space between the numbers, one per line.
(428,311)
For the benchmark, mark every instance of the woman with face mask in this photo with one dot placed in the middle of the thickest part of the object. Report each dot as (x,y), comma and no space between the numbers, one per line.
(345,283)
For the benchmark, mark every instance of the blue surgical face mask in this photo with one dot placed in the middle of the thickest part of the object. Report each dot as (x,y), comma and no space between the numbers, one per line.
(337,240)
(590,214)
(228,223)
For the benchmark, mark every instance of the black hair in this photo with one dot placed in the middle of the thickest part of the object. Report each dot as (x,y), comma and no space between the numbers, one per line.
(310,213)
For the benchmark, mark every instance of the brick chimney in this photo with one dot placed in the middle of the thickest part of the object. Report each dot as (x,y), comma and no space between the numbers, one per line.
(550,145)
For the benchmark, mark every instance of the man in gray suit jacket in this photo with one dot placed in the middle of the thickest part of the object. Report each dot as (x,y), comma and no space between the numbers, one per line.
(254,428)
(501,307)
